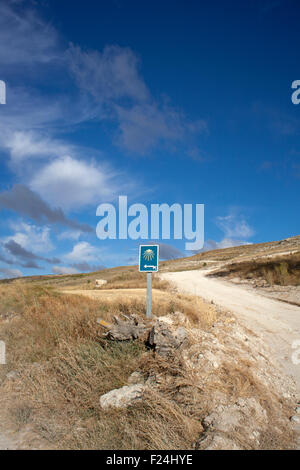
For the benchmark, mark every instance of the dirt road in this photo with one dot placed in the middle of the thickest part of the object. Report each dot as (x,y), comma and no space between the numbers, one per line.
(276,322)
(6,443)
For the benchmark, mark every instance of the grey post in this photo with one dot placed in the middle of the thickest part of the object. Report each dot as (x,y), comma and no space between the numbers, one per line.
(149,294)
(2,352)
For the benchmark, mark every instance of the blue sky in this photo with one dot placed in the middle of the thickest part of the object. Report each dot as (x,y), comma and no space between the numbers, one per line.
(161,101)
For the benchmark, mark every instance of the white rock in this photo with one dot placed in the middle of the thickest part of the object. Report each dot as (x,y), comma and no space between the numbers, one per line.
(122,397)
(295,419)
(100,282)
(13,374)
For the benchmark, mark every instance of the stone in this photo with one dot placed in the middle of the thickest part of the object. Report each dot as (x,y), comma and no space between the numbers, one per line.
(181,335)
(122,397)
(163,341)
(12,375)
(136,378)
(220,442)
(132,328)
(100,282)
(295,419)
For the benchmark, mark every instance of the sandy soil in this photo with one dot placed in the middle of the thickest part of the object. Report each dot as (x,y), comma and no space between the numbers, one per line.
(6,443)
(276,322)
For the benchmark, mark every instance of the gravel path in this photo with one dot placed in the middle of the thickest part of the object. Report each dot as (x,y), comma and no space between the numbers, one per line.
(6,443)
(277,322)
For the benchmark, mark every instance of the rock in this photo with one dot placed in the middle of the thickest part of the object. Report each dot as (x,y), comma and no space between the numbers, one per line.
(297,409)
(295,419)
(167,319)
(122,397)
(162,340)
(224,419)
(136,378)
(126,330)
(12,375)
(100,282)
(218,442)
(181,335)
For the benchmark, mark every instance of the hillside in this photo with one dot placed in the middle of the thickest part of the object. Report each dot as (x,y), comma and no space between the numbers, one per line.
(193,376)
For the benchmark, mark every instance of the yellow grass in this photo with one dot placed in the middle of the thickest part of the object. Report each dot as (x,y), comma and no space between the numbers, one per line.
(64,366)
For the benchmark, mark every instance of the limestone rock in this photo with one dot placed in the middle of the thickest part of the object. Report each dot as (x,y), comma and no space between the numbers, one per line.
(163,341)
(122,397)
(126,330)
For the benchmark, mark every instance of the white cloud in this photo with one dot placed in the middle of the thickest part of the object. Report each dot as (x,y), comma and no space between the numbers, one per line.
(114,90)
(72,184)
(25,37)
(236,231)
(83,252)
(225,243)
(110,75)
(31,144)
(32,237)
(69,235)
(145,125)
(113,80)
(234,226)
(64,270)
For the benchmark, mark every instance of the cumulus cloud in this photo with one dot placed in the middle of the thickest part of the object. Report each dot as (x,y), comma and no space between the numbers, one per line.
(17,248)
(30,235)
(26,202)
(72,183)
(56,175)
(32,144)
(83,252)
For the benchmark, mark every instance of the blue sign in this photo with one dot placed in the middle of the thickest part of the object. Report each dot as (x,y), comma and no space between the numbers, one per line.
(148,258)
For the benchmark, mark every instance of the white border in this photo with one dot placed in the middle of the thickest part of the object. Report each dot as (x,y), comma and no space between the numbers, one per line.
(154,270)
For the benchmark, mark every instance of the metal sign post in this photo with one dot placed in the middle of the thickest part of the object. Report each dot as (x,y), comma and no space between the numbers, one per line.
(148,263)
(149,294)
(2,353)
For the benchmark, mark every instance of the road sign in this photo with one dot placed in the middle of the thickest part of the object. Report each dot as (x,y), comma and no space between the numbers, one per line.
(148,259)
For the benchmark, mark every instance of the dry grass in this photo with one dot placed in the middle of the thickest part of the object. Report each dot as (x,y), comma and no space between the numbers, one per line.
(133,280)
(64,367)
(284,272)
